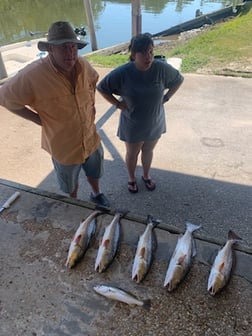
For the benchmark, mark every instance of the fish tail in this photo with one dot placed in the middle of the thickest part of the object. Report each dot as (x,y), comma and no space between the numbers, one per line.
(101,209)
(147,304)
(122,212)
(151,219)
(98,268)
(233,236)
(192,227)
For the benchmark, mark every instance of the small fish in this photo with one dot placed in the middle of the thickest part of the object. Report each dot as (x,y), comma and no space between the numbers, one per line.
(82,238)
(118,294)
(182,258)
(109,244)
(144,252)
(222,266)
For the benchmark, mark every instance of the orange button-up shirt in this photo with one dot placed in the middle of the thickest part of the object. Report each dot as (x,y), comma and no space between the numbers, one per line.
(67,113)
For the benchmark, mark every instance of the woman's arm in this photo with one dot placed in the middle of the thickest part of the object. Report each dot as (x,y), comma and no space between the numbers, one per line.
(172,91)
(113,100)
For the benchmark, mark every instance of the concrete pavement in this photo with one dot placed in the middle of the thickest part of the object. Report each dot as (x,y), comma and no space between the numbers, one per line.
(202,168)
(202,165)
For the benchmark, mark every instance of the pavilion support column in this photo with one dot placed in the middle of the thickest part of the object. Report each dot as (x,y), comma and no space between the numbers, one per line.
(136,17)
(3,72)
(89,13)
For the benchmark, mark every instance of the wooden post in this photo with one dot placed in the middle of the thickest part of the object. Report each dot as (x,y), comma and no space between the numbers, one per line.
(3,72)
(136,17)
(89,13)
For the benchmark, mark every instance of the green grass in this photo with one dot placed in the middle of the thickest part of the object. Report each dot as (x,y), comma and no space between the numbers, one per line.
(110,61)
(215,48)
(221,44)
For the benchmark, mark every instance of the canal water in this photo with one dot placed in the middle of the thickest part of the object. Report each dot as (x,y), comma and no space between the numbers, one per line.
(23,20)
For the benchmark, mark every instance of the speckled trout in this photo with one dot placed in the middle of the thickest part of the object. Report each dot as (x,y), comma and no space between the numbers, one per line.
(118,294)
(222,266)
(144,253)
(182,258)
(109,244)
(82,238)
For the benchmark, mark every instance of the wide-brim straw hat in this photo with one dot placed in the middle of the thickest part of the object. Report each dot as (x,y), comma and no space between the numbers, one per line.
(59,33)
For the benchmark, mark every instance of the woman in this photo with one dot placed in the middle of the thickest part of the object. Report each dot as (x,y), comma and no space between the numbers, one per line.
(142,84)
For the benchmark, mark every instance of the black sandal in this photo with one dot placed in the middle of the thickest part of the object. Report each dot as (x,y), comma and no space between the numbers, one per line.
(132,187)
(149,184)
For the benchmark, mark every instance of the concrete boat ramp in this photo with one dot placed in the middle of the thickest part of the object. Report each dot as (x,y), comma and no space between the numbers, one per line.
(17,55)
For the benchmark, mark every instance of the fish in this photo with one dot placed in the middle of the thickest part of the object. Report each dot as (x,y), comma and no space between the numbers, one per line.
(181,259)
(109,244)
(144,253)
(221,269)
(118,294)
(82,238)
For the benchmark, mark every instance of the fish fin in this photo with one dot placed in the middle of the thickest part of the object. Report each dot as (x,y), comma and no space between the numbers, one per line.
(181,259)
(169,286)
(106,243)
(147,304)
(142,252)
(221,267)
(233,236)
(194,250)
(134,277)
(211,290)
(151,219)
(77,239)
(192,227)
(122,212)
(101,209)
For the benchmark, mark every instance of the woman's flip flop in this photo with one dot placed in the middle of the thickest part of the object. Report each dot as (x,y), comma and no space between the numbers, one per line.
(149,184)
(132,187)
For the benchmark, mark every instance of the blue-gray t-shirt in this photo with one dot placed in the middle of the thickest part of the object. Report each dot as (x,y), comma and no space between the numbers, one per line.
(143,91)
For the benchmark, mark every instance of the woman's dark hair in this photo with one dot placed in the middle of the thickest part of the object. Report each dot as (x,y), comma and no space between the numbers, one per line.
(140,43)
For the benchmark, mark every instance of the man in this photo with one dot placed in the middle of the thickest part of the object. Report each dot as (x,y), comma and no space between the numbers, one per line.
(58,93)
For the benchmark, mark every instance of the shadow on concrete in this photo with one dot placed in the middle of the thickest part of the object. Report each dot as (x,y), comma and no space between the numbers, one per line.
(218,206)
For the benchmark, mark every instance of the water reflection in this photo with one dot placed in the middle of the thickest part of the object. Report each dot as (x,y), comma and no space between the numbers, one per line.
(17,18)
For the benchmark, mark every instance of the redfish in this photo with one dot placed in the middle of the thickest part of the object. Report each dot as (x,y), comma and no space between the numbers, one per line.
(144,253)
(118,294)
(109,244)
(82,238)
(182,258)
(222,266)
